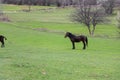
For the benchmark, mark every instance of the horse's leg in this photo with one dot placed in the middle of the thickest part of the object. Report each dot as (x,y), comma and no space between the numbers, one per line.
(73,44)
(84,45)
(2,43)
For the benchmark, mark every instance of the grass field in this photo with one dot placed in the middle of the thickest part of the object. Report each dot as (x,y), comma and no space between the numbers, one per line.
(37,50)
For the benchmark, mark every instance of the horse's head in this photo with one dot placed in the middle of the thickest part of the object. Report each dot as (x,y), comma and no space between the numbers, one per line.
(67,34)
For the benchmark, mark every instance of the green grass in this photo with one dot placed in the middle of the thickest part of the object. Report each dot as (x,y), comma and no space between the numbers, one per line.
(10,7)
(32,54)
(59,19)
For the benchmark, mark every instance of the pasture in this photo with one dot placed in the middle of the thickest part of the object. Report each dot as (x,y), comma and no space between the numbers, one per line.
(37,50)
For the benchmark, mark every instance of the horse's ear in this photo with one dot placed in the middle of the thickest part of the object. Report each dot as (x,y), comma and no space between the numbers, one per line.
(69,33)
(66,32)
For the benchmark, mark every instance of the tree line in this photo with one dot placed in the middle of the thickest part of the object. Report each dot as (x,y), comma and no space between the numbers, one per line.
(48,2)
(108,5)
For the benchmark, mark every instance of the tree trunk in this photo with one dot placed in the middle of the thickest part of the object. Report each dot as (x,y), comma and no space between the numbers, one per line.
(93,31)
(89,31)
(29,5)
(29,8)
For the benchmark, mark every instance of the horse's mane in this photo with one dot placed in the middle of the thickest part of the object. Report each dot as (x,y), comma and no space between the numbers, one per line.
(72,35)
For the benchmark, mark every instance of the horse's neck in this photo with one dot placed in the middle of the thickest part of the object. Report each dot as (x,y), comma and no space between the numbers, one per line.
(71,36)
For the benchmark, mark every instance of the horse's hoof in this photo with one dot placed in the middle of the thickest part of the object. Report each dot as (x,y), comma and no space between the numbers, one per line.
(84,48)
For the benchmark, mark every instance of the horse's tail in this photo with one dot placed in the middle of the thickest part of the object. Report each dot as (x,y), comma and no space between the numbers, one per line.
(5,38)
(86,41)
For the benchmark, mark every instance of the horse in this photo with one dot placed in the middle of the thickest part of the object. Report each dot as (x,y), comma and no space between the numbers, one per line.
(2,40)
(73,38)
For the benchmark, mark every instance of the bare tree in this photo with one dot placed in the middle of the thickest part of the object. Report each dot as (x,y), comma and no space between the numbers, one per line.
(30,2)
(89,17)
(98,16)
(108,6)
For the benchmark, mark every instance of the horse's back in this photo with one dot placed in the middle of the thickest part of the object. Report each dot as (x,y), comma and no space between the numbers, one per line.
(82,37)
(2,37)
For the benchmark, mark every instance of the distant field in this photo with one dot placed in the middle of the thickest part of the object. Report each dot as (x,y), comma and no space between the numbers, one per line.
(56,19)
(37,50)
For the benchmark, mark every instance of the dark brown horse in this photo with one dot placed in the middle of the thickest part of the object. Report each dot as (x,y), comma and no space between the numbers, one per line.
(75,38)
(2,40)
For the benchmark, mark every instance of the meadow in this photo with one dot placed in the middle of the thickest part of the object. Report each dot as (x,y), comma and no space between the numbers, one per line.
(36,49)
